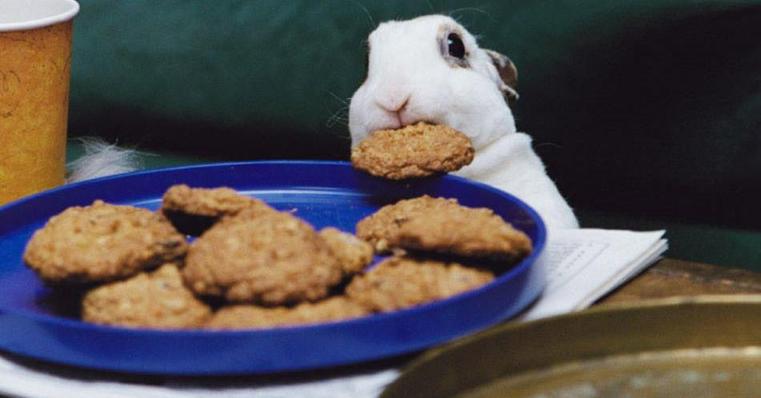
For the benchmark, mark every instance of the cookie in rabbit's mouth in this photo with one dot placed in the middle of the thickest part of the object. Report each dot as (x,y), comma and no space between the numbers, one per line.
(413,151)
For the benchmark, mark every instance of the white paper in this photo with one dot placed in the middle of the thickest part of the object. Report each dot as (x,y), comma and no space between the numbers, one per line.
(581,266)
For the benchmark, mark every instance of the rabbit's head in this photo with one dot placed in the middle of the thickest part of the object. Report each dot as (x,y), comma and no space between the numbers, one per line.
(431,69)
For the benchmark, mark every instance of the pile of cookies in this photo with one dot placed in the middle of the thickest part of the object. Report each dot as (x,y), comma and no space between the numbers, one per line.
(252,266)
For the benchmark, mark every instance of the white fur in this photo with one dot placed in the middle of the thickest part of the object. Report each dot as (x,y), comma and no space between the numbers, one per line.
(102,159)
(408,80)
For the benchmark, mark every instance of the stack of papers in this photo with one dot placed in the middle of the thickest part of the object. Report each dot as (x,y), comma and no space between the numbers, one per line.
(581,265)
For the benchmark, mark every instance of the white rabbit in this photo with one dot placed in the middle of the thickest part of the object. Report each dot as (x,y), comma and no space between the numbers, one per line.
(431,69)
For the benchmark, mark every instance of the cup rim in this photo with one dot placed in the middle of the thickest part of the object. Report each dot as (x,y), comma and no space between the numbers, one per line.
(68,14)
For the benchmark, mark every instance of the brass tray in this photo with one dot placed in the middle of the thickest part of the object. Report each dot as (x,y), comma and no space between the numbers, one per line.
(701,346)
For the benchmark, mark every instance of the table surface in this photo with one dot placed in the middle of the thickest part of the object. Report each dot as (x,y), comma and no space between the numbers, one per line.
(671,277)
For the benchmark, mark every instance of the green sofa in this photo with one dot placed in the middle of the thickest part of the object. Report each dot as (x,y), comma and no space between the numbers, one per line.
(647,113)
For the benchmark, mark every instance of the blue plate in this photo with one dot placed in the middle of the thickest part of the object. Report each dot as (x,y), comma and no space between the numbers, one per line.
(36,323)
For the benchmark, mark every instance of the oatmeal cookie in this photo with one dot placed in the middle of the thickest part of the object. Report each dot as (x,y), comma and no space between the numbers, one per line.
(252,316)
(463,231)
(444,226)
(194,210)
(384,224)
(100,243)
(268,258)
(417,150)
(154,300)
(351,252)
(401,282)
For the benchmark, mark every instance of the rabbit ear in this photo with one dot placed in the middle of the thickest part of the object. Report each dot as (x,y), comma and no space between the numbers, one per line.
(507,72)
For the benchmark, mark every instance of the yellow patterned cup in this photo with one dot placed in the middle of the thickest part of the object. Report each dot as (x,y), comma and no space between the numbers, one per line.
(35,61)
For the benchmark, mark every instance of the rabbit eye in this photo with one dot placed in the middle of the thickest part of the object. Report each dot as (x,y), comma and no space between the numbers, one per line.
(455,47)
(452,48)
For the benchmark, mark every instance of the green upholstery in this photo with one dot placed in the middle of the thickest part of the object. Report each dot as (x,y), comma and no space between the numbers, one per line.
(642,110)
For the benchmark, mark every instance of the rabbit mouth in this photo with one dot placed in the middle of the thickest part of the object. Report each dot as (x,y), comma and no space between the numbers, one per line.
(410,122)
(404,119)
(419,121)
(398,120)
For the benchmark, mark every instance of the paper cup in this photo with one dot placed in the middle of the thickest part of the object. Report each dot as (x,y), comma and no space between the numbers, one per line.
(35,63)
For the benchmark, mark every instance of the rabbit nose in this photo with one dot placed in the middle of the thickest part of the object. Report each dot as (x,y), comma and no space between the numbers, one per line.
(393,102)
